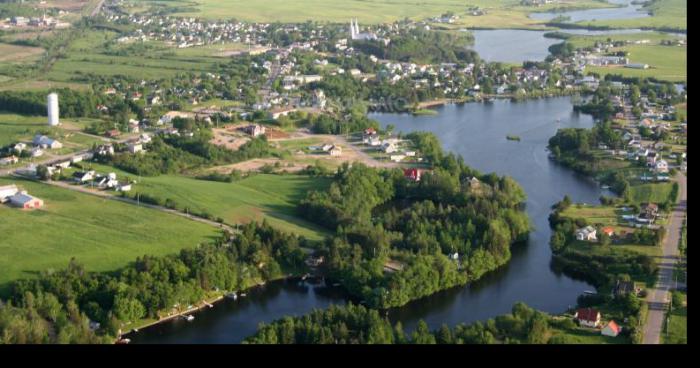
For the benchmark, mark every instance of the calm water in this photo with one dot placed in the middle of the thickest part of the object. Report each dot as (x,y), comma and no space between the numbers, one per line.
(477,132)
(627,11)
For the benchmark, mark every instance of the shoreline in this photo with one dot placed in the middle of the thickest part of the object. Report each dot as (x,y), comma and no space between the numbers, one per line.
(211,303)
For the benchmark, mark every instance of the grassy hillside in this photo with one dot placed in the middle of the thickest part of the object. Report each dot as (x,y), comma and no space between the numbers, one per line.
(273,197)
(101,234)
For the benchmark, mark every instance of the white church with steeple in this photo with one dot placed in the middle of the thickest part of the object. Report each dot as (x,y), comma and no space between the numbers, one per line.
(355,33)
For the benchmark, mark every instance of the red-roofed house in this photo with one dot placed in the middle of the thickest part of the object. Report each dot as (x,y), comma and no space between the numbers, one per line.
(611,329)
(370,131)
(412,174)
(608,230)
(588,317)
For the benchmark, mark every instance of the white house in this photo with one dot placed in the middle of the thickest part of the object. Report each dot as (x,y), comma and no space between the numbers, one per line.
(83,176)
(661,166)
(335,151)
(46,142)
(587,233)
(134,148)
(7,191)
(611,329)
(9,160)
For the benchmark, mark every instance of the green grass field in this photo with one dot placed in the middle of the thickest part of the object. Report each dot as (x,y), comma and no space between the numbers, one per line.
(677,327)
(588,336)
(21,128)
(500,13)
(272,197)
(101,234)
(655,193)
(665,14)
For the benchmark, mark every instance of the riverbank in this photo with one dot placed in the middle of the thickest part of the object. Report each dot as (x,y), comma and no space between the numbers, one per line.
(210,302)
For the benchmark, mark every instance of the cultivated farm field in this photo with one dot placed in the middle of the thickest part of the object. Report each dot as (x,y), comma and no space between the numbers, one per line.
(101,234)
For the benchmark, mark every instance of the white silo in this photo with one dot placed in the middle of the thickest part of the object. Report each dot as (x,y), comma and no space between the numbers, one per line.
(52,107)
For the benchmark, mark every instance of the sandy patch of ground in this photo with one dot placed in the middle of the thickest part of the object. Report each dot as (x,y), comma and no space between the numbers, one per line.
(230,137)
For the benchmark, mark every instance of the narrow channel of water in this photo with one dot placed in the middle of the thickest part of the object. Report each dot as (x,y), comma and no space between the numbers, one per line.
(478,132)
(627,10)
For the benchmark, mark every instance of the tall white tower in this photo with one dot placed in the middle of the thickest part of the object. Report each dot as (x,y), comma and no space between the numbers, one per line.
(52,107)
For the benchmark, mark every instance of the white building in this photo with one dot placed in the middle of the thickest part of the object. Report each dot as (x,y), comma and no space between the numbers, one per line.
(52,107)
(7,191)
(587,233)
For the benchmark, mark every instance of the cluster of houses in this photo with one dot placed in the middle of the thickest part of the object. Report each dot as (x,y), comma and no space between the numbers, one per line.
(34,22)
(100,181)
(19,198)
(390,146)
(40,143)
(591,317)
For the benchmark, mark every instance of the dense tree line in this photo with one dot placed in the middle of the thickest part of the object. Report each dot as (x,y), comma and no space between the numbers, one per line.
(56,306)
(355,324)
(422,46)
(380,216)
(72,103)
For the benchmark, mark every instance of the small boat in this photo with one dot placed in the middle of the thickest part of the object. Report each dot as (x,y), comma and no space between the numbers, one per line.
(123,341)
(188,318)
(232,296)
(589,292)
(336,284)
(605,187)
(243,294)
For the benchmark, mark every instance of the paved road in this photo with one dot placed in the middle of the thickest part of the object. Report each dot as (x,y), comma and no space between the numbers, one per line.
(97,8)
(659,296)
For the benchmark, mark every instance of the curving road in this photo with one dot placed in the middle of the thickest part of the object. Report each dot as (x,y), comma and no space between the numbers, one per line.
(659,296)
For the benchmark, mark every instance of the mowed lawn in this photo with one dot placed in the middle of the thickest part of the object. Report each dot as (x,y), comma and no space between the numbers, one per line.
(261,196)
(101,234)
(654,193)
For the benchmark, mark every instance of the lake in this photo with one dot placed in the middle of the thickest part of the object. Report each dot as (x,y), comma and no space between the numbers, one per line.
(477,131)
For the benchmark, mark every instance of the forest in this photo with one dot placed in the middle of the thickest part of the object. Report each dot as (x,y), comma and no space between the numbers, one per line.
(445,229)
(355,324)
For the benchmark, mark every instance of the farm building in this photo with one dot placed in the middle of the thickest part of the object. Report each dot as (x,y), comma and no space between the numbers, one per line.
(9,160)
(24,200)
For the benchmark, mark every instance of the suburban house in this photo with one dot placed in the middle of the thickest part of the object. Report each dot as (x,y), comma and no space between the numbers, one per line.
(112,133)
(104,150)
(412,174)
(109,181)
(24,200)
(37,152)
(650,209)
(326,147)
(7,191)
(651,158)
(62,164)
(19,147)
(474,182)
(123,187)
(612,329)
(397,158)
(9,160)
(46,142)
(608,230)
(661,166)
(587,233)
(255,130)
(83,176)
(135,147)
(623,288)
(588,317)
(389,147)
(372,140)
(335,151)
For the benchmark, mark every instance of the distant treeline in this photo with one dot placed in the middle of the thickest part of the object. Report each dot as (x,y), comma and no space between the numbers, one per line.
(71,103)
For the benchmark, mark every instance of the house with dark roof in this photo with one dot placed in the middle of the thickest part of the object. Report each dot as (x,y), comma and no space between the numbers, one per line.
(623,288)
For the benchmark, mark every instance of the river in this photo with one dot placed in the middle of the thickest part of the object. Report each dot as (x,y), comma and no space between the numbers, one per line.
(477,131)
(625,10)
